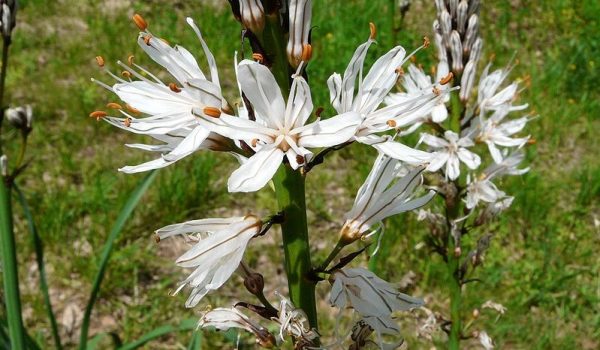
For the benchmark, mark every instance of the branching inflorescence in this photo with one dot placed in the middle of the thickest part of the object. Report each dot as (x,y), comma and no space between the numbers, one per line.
(273,132)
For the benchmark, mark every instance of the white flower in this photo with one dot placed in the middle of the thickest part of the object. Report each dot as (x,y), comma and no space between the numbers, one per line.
(379,198)
(493,131)
(482,189)
(416,83)
(368,294)
(501,309)
(507,166)
(451,151)
(217,253)
(485,340)
(489,99)
(224,319)
(20,117)
(279,129)
(173,110)
(370,93)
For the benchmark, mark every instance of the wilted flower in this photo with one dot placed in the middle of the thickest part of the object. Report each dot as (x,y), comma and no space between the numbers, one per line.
(449,151)
(219,248)
(485,340)
(279,129)
(379,198)
(293,322)
(175,110)
(368,294)
(224,319)
(501,309)
(482,189)
(20,117)
(488,97)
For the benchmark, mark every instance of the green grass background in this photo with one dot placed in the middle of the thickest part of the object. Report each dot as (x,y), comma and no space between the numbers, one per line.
(543,264)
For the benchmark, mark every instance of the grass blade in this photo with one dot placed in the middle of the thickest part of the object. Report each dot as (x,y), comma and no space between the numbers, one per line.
(159,332)
(10,270)
(196,342)
(131,203)
(38,246)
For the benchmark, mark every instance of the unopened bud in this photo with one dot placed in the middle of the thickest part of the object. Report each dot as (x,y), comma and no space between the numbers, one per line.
(3,165)
(446,26)
(255,283)
(461,16)
(467,81)
(348,234)
(475,313)
(8,17)
(300,12)
(20,117)
(252,15)
(472,33)
(453,6)
(456,51)
(457,252)
(476,50)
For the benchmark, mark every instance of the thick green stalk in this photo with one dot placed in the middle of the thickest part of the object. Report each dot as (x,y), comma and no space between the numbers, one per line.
(10,270)
(289,189)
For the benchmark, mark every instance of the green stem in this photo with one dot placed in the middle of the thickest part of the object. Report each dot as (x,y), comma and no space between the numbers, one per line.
(274,45)
(336,250)
(6,44)
(10,270)
(455,298)
(289,189)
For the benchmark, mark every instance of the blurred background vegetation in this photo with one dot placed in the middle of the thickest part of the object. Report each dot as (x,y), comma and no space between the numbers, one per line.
(543,264)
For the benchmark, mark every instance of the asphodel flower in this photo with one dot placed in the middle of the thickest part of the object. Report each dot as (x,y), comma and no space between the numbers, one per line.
(219,248)
(252,15)
(167,111)
(450,151)
(280,129)
(351,92)
(383,194)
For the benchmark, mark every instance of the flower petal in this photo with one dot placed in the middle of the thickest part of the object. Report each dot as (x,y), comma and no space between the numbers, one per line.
(330,132)
(256,171)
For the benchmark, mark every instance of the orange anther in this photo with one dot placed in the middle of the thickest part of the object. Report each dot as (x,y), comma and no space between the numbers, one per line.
(391,123)
(130,60)
(399,71)
(373,30)
(254,142)
(413,59)
(212,112)
(258,57)
(445,80)
(531,141)
(126,74)
(132,109)
(140,22)
(306,52)
(157,238)
(113,105)
(127,122)
(147,39)
(100,61)
(174,87)
(98,114)
(436,91)
(319,111)
(300,159)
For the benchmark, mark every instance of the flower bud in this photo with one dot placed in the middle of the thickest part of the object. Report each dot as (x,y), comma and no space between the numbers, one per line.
(475,313)
(439,43)
(474,6)
(440,6)
(453,6)
(20,117)
(300,19)
(467,81)
(446,26)
(252,15)
(461,16)
(476,50)
(472,32)
(4,165)
(456,51)
(255,283)
(8,17)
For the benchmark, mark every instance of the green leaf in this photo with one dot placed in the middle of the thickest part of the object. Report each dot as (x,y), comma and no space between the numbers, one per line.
(38,246)
(185,325)
(196,342)
(128,208)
